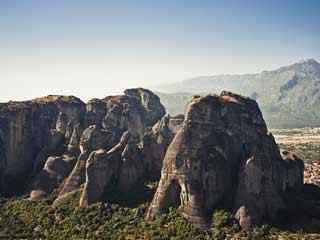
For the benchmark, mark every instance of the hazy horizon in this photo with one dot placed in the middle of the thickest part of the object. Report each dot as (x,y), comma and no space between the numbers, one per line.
(93,49)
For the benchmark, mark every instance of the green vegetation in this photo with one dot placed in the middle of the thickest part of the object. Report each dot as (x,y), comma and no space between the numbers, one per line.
(123,218)
(304,142)
(306,151)
(288,97)
(23,219)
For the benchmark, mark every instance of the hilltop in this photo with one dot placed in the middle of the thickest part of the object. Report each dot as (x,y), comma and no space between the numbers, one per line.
(288,96)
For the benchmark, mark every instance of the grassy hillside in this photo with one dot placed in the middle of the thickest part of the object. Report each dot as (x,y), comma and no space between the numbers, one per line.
(289,96)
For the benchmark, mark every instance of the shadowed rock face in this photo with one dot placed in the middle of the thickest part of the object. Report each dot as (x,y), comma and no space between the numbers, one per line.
(33,131)
(53,173)
(3,160)
(116,115)
(132,166)
(118,160)
(93,138)
(223,156)
(155,144)
(101,167)
(128,115)
(26,129)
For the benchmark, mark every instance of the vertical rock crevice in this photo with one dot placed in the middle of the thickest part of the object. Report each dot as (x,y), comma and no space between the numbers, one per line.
(224,157)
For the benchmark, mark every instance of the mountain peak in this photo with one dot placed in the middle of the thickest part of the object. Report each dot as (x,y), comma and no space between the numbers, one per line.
(289,95)
(308,61)
(305,65)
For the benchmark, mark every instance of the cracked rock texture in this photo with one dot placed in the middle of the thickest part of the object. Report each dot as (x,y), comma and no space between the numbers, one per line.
(113,156)
(26,130)
(33,133)
(219,155)
(224,157)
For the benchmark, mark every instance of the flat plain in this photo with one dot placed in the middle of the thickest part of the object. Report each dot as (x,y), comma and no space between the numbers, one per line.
(305,143)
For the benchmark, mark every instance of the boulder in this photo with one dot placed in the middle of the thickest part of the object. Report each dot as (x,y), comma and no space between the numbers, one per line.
(53,173)
(224,157)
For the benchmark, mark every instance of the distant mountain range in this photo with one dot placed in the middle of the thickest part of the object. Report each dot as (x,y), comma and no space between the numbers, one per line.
(289,96)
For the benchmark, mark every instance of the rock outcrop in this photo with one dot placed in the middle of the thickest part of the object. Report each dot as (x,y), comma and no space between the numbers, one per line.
(113,156)
(175,123)
(132,171)
(101,167)
(56,169)
(153,109)
(93,138)
(220,155)
(26,130)
(3,159)
(155,144)
(224,157)
(33,132)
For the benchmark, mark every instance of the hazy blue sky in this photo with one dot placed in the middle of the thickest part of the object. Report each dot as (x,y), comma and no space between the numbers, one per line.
(94,48)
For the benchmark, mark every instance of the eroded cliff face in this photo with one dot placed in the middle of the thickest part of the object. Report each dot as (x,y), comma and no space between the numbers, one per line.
(104,158)
(26,130)
(121,161)
(224,157)
(220,155)
(155,144)
(37,135)
(3,158)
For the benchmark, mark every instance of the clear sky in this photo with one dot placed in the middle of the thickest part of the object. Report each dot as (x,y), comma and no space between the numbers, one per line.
(98,47)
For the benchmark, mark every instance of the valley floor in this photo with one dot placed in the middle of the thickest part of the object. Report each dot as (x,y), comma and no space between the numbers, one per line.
(305,143)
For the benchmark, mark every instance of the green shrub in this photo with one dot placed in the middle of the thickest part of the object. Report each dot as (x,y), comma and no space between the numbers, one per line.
(34,220)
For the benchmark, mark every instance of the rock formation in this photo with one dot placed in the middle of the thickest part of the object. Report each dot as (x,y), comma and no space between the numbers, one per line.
(33,133)
(175,123)
(93,138)
(53,173)
(153,109)
(115,115)
(220,155)
(155,144)
(26,130)
(224,157)
(3,160)
(129,115)
(132,169)
(128,164)
(101,167)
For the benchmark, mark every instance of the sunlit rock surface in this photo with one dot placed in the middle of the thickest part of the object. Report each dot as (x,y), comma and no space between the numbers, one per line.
(224,157)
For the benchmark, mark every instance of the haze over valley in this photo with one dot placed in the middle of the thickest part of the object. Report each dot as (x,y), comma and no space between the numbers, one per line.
(289,96)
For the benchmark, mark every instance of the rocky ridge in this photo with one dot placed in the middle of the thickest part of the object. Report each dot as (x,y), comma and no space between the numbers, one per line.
(33,130)
(288,96)
(43,136)
(220,155)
